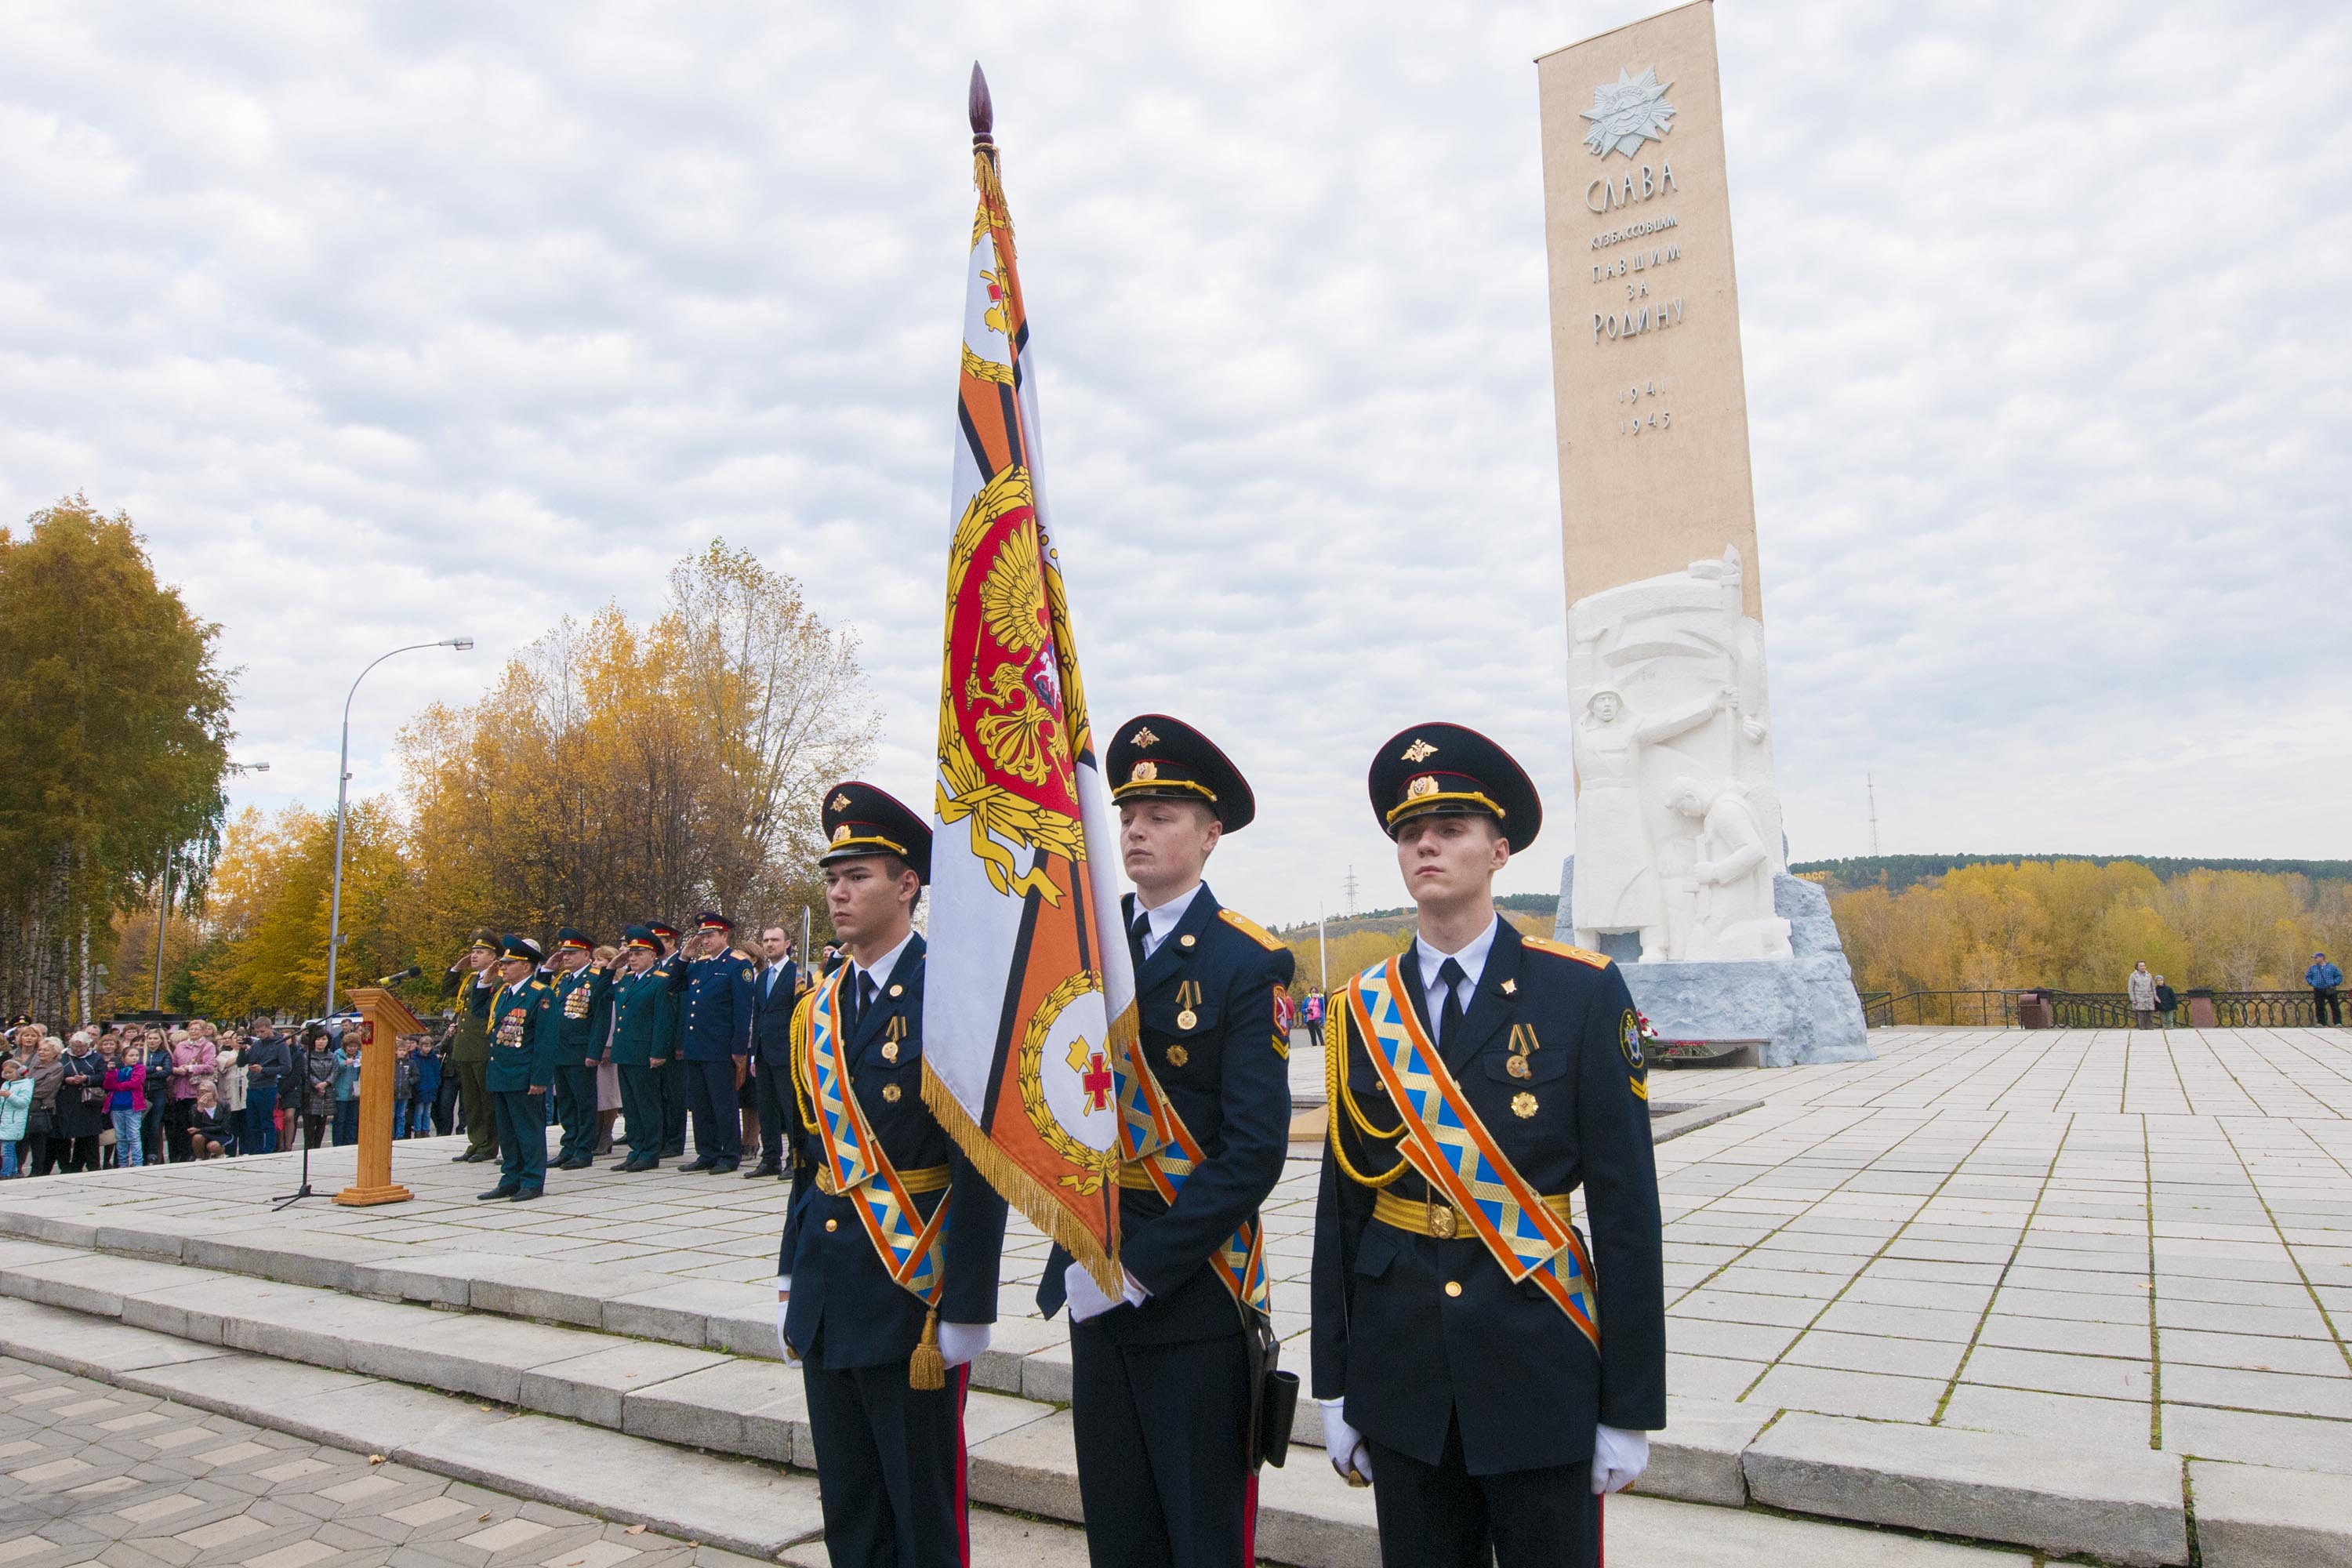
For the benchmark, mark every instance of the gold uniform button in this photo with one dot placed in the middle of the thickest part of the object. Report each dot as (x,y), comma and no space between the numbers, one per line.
(1452,1287)
(835,1225)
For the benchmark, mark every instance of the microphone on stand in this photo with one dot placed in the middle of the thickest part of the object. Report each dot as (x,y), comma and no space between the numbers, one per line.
(411,973)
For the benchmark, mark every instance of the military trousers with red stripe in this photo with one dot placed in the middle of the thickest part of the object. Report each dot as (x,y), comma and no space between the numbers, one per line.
(890,1467)
(1163,1467)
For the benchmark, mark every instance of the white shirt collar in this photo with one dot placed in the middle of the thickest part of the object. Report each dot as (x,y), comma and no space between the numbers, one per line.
(881,968)
(1472,958)
(1160,924)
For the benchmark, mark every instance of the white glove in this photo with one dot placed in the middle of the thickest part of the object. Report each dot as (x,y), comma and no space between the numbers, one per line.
(1345,1445)
(1618,1457)
(783,1345)
(961,1342)
(1085,1297)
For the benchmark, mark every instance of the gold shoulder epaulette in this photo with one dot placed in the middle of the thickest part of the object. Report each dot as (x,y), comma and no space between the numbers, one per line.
(1561,950)
(1251,929)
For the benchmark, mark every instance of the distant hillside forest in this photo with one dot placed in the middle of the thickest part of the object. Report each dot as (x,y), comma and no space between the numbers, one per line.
(1966,922)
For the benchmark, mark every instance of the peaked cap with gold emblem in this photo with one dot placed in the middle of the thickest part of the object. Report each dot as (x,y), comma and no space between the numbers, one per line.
(862,820)
(1154,757)
(1445,770)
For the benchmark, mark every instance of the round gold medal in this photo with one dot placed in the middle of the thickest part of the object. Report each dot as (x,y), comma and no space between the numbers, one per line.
(1187,1019)
(1178,1055)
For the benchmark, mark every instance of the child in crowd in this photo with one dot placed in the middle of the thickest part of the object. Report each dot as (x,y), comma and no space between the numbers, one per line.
(15,1108)
(209,1125)
(126,1102)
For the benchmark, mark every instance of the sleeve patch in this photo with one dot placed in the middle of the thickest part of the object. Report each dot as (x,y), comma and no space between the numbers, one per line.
(1251,930)
(1562,949)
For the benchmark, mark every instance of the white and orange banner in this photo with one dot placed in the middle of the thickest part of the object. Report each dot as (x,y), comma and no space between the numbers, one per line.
(1028,1002)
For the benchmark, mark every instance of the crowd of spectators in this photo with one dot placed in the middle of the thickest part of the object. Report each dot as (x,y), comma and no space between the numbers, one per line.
(136,1094)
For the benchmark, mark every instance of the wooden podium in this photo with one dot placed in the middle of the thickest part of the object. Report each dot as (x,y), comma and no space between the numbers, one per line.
(385,1018)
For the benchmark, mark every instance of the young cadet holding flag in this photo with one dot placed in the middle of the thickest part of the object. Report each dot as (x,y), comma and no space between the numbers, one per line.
(1161,1393)
(885,1280)
(1469,1366)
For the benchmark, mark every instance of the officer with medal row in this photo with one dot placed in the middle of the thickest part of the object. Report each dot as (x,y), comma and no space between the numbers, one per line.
(887,1364)
(1489,1410)
(518,1075)
(1160,1377)
(574,1018)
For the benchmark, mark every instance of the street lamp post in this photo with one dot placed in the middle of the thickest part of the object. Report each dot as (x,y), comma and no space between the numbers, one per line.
(163,904)
(343,785)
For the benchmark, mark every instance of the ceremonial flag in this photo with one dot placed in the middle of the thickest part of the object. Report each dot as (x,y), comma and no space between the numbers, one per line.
(1029,1003)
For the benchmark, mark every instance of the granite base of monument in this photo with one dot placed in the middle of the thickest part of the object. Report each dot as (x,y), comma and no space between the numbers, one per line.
(1803,1007)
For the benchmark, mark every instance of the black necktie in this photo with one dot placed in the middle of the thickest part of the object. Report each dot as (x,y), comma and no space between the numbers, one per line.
(861,996)
(1450,974)
(1140,931)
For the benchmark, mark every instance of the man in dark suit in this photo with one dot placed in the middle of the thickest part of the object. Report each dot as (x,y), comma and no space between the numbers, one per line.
(885,1363)
(1160,1377)
(772,997)
(1489,1406)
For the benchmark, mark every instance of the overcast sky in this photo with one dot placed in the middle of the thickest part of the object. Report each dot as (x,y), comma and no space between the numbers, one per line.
(387,323)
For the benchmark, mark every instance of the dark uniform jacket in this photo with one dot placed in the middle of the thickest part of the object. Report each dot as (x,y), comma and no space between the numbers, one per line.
(1228,1077)
(575,1013)
(1501,1358)
(772,1024)
(469,1038)
(642,1017)
(514,1068)
(716,1004)
(845,1307)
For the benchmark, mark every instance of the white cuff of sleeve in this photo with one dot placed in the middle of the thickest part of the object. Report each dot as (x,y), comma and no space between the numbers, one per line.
(784,1283)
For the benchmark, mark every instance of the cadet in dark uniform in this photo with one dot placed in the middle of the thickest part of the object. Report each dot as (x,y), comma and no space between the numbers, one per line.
(886,1363)
(1488,1415)
(716,991)
(575,1013)
(518,1075)
(1160,1394)
(673,1068)
(471,982)
(641,1015)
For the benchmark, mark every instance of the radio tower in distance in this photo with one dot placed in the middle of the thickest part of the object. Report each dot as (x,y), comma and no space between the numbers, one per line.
(1350,884)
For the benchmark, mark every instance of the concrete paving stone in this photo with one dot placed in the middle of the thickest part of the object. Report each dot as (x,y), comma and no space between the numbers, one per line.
(592,1387)
(1749,1277)
(1033,1468)
(2299,1322)
(755,1408)
(2254,1352)
(436,1279)
(88,1282)
(2115,1423)
(1013,1339)
(2077,1281)
(741,1507)
(2251,1514)
(22,1254)
(996,1538)
(1706,1377)
(1747,1306)
(1740,1342)
(2062,1337)
(202,1308)
(2118,1504)
(1936,1271)
(1899,1322)
(321,1260)
(154,1237)
(1872,1352)
(678,1310)
(2279,1393)
(313,1402)
(1879,1291)
(1875,1396)
(1697,1457)
(469,1353)
(553,1291)
(2232,1289)
(2017,1301)
(746,1330)
(85,1346)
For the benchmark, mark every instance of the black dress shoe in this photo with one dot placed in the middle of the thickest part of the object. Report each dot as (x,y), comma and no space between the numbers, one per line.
(765,1168)
(523,1196)
(577,1162)
(724,1168)
(705,1164)
(466,1158)
(500,1191)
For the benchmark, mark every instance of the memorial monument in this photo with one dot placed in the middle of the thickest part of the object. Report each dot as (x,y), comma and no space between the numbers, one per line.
(1680,870)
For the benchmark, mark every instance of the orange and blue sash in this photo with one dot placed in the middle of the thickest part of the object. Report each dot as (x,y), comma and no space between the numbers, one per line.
(907,1245)
(1445,1142)
(1153,1137)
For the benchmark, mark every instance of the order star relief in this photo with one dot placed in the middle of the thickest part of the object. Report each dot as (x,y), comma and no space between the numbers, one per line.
(1627,112)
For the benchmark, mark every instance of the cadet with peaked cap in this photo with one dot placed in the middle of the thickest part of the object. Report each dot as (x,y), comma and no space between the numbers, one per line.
(887,1364)
(714,985)
(672,1072)
(641,1014)
(471,982)
(1488,1405)
(574,1017)
(1162,1379)
(518,1075)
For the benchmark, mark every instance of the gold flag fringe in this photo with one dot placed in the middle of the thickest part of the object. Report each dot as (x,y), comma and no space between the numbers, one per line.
(1024,1191)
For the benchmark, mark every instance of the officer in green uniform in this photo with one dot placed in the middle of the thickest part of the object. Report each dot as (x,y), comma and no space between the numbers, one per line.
(641,1018)
(673,1033)
(574,1012)
(471,982)
(518,1075)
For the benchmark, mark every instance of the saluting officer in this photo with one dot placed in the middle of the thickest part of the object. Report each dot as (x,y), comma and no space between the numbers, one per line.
(1161,1379)
(673,1030)
(518,1075)
(715,983)
(471,982)
(574,1012)
(1488,1403)
(884,1347)
(641,1015)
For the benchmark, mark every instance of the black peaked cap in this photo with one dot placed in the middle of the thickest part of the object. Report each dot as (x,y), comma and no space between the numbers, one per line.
(1447,770)
(1155,757)
(862,820)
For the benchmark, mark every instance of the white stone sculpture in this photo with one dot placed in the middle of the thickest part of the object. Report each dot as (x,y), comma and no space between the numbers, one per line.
(1667,681)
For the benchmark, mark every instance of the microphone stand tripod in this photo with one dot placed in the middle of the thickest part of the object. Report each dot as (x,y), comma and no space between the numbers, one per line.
(303,1127)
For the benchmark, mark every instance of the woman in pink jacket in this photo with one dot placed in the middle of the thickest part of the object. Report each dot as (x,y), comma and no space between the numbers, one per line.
(195,1061)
